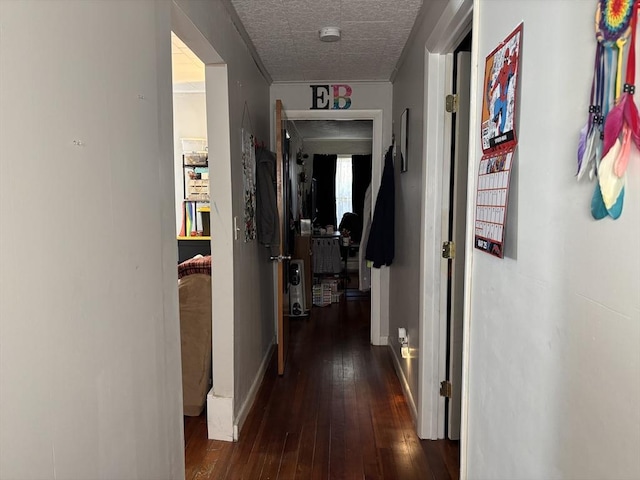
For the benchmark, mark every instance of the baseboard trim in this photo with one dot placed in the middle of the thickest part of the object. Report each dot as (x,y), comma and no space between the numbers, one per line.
(405,385)
(251,396)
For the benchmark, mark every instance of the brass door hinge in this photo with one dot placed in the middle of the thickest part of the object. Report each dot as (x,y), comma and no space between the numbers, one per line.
(445,389)
(451,103)
(448,250)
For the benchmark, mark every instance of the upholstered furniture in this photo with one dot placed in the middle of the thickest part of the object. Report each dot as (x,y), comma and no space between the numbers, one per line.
(194,292)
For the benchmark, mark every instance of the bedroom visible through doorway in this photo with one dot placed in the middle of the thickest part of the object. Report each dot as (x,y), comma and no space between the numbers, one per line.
(192,196)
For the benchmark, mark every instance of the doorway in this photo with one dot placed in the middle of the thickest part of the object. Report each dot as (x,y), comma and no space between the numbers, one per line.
(191,171)
(375,117)
(455,197)
(216,110)
(437,131)
(331,172)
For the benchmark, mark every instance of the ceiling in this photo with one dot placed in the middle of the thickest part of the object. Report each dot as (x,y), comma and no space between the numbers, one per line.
(188,74)
(334,129)
(285,34)
(187,68)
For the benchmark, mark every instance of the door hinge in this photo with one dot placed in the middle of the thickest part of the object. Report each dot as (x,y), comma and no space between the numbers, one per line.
(445,389)
(449,250)
(451,103)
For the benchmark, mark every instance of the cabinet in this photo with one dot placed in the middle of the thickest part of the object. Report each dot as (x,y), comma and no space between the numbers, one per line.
(195,190)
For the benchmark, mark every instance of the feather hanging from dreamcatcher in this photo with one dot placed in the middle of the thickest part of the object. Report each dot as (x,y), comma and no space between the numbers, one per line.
(615,23)
(590,139)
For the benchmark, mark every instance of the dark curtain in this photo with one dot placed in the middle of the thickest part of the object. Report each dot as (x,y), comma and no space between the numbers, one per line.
(324,171)
(361,167)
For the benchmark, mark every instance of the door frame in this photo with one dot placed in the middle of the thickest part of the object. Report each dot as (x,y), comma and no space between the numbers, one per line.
(450,30)
(220,399)
(456,199)
(379,282)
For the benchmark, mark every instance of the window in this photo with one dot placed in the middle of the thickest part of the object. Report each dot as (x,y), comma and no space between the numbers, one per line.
(344,179)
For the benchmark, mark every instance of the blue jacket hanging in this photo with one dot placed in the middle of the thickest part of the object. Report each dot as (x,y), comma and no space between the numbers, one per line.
(381,243)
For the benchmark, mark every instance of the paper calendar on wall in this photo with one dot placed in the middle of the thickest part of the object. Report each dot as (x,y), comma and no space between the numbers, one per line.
(499,141)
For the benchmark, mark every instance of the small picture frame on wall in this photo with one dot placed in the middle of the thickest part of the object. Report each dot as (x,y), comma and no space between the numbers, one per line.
(404,140)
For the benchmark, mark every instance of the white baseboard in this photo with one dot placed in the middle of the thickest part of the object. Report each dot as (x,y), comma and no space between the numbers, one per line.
(405,385)
(251,396)
(219,417)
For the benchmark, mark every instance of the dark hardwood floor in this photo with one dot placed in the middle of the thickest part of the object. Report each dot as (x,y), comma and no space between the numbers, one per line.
(337,413)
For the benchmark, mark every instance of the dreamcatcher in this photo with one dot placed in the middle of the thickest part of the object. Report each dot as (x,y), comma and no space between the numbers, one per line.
(613,123)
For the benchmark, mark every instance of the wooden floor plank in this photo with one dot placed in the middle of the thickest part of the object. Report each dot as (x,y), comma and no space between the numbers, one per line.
(338,412)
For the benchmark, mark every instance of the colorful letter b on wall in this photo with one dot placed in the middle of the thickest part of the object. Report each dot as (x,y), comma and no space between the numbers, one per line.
(321,97)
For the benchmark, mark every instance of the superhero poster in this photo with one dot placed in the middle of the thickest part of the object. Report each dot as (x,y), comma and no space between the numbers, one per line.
(500,93)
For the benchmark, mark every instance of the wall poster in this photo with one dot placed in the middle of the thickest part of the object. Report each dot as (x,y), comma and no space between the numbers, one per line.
(499,141)
(249,184)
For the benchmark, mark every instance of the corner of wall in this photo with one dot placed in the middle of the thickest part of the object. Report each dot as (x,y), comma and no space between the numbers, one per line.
(219,417)
(403,382)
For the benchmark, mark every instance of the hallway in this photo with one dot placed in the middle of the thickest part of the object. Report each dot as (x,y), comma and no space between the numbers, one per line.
(337,413)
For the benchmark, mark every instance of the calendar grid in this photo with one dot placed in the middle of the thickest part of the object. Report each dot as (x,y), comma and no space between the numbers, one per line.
(492,195)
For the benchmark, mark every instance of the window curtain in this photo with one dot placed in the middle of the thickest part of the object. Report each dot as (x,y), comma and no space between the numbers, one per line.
(344,184)
(361,166)
(324,171)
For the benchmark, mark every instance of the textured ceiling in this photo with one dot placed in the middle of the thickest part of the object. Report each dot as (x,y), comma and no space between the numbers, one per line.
(188,77)
(285,35)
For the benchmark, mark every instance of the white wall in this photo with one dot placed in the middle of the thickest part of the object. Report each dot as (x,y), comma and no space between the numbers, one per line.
(365,96)
(90,380)
(189,121)
(415,272)
(343,147)
(554,366)
(248,272)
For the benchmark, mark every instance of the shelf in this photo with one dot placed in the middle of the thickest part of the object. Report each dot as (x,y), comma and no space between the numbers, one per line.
(196,198)
(195,238)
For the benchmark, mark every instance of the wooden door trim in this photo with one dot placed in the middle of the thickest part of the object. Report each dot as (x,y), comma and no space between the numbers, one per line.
(282,321)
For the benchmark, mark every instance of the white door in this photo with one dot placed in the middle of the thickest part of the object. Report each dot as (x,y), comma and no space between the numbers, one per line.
(458,209)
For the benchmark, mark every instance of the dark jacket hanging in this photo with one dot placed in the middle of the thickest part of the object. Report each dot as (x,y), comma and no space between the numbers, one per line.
(268,225)
(381,243)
